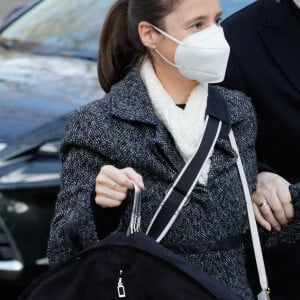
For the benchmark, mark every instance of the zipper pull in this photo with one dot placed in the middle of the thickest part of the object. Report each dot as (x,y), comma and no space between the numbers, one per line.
(121,287)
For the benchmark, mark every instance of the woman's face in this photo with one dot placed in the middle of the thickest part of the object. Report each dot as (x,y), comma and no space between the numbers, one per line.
(189,17)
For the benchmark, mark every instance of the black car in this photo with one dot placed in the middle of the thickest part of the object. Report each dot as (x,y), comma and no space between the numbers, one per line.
(48,52)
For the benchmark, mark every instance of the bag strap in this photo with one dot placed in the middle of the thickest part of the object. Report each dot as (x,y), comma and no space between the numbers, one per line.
(217,123)
(264,294)
(181,189)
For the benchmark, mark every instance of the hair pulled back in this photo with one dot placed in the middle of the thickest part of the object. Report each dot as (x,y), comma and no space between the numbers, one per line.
(120,46)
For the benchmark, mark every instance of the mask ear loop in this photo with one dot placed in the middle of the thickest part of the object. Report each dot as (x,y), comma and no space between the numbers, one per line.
(166,34)
(166,60)
(172,39)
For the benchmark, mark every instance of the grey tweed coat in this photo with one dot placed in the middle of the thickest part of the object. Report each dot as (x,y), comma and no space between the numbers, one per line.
(123,130)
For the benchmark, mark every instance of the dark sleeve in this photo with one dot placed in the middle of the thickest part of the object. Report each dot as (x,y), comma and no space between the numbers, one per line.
(295,193)
(106,219)
(244,126)
(290,234)
(234,79)
(262,167)
(73,226)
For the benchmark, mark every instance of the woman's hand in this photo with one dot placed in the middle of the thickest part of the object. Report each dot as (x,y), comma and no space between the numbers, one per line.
(112,185)
(272,201)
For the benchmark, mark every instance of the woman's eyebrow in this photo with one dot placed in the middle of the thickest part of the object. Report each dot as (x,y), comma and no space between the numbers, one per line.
(219,15)
(201,18)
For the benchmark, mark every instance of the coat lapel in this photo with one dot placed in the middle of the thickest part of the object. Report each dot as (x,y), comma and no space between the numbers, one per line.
(281,36)
(135,106)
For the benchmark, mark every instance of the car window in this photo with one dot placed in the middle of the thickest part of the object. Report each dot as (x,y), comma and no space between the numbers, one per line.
(60,26)
(231,6)
(71,27)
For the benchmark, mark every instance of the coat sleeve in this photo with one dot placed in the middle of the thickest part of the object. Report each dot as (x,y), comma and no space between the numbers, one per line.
(244,126)
(290,234)
(245,132)
(73,227)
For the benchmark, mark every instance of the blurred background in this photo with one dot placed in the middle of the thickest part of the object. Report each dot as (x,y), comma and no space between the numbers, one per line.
(7,6)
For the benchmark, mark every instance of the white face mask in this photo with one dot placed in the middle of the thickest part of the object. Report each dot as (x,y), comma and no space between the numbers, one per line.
(202,56)
(297,2)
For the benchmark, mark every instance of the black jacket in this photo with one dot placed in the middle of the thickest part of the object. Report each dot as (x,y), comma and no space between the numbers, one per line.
(265,64)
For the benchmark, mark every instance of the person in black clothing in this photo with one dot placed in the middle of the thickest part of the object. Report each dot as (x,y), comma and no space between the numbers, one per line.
(265,64)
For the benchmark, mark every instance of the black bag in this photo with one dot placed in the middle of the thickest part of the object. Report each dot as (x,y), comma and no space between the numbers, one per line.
(134,267)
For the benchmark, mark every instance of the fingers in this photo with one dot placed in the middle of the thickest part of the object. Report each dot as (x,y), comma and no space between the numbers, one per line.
(265,214)
(113,179)
(133,175)
(284,195)
(260,218)
(112,185)
(106,197)
(276,209)
(273,201)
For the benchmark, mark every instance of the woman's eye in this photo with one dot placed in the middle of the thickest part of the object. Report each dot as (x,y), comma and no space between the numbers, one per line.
(218,21)
(198,25)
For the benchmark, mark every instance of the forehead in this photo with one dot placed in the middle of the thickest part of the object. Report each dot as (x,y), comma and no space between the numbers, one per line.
(191,9)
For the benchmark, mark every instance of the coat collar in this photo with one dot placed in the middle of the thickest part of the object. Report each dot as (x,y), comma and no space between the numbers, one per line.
(130,101)
(281,36)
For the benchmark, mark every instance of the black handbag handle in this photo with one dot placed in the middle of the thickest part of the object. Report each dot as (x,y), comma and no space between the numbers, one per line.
(180,191)
(217,123)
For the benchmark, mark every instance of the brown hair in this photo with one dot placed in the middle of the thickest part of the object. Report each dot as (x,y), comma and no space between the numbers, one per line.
(120,46)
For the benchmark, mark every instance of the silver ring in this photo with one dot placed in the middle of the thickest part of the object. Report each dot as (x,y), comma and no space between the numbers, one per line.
(113,185)
(263,204)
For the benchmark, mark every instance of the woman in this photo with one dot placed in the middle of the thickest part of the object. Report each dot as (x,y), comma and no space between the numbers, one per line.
(147,127)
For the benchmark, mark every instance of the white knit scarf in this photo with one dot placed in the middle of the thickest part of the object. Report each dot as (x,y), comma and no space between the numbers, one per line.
(185,125)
